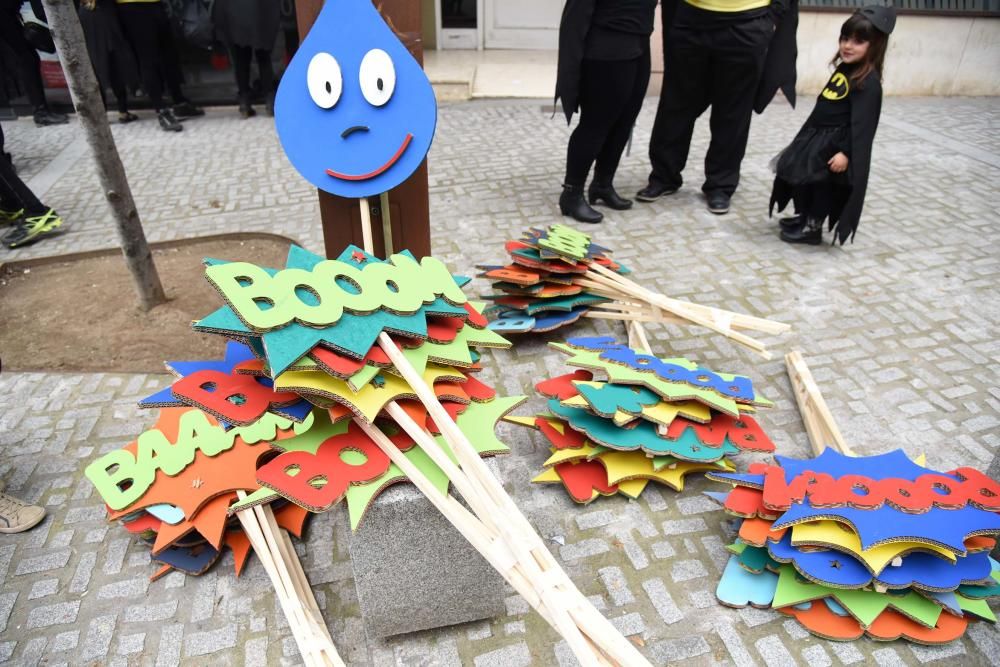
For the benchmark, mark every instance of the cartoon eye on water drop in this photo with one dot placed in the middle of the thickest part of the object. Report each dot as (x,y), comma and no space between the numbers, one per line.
(355,112)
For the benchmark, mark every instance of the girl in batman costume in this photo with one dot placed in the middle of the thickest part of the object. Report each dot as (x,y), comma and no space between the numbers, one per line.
(824,171)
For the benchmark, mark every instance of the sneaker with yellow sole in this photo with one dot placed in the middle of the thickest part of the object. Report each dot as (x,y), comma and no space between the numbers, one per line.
(9,217)
(30,229)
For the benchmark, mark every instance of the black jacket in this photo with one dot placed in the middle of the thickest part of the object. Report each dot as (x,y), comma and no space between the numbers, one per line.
(576,21)
(779,66)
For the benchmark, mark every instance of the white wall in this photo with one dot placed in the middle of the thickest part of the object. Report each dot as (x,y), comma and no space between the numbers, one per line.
(928,55)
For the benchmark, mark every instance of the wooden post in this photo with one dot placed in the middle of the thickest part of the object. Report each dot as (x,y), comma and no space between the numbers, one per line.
(68,37)
(409,203)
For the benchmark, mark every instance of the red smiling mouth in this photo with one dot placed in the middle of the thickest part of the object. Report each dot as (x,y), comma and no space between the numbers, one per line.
(373,174)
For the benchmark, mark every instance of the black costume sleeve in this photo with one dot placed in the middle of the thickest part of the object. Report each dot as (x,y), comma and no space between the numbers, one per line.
(779,65)
(866,107)
(573,30)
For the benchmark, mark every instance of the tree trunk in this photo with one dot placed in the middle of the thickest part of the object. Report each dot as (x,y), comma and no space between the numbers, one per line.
(72,49)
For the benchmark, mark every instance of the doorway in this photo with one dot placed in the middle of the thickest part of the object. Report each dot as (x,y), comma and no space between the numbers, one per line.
(522,24)
(458,24)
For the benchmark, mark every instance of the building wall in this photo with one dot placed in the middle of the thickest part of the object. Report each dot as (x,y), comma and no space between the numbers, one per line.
(928,55)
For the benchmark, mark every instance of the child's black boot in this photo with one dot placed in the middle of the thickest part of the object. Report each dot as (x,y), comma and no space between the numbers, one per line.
(792,222)
(572,203)
(811,232)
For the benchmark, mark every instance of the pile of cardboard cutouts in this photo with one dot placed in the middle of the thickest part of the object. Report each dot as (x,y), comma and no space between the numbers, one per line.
(862,545)
(545,285)
(558,275)
(646,419)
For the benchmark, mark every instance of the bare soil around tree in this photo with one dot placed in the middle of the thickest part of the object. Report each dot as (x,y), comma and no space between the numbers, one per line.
(81,313)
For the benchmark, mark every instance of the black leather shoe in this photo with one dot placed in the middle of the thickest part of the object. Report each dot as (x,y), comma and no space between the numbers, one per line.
(168,123)
(572,203)
(652,192)
(606,193)
(792,222)
(45,117)
(718,202)
(187,110)
(811,233)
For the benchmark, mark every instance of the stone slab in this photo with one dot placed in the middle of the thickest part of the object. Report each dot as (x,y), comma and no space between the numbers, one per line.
(414,571)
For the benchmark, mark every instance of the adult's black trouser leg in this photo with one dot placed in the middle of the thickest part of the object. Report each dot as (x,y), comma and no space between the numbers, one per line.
(241,56)
(170,61)
(28,62)
(14,194)
(606,88)
(737,65)
(118,86)
(266,71)
(685,95)
(138,20)
(606,164)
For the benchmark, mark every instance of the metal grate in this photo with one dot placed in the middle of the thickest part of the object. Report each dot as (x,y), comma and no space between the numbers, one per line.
(977,7)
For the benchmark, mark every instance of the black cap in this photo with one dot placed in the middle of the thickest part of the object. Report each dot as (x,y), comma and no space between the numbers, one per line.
(882,17)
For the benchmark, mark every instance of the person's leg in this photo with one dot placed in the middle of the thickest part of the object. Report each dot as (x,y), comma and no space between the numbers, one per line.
(32,218)
(170,63)
(118,87)
(739,53)
(242,56)
(266,70)
(30,75)
(139,25)
(602,92)
(683,98)
(633,74)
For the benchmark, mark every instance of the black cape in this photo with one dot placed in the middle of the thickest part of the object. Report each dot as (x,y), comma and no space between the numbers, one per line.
(573,28)
(866,107)
(779,65)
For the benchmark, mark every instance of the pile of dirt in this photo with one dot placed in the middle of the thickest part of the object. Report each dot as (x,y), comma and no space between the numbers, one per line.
(81,313)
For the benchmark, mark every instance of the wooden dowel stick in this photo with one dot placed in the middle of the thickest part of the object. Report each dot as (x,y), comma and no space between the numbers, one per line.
(745,321)
(821,428)
(386,223)
(705,321)
(607,639)
(366,226)
(472,529)
(300,586)
(251,526)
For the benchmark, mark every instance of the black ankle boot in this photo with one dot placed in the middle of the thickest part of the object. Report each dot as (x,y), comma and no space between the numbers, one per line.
(811,232)
(572,203)
(606,192)
(792,222)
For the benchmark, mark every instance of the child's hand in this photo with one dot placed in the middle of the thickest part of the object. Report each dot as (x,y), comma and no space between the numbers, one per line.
(838,163)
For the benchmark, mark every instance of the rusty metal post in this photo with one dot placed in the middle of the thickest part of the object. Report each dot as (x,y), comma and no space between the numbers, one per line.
(409,204)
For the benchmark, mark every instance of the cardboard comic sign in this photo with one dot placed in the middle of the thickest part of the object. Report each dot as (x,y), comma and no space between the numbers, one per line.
(355,112)
(343,304)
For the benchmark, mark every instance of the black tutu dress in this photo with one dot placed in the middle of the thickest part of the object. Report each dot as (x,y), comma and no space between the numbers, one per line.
(843,121)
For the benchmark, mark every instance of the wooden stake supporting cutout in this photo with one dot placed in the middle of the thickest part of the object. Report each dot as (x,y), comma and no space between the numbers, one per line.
(386,223)
(820,425)
(718,321)
(473,529)
(608,637)
(366,225)
(582,614)
(275,551)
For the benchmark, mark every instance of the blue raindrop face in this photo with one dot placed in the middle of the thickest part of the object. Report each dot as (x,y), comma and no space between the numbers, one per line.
(355,112)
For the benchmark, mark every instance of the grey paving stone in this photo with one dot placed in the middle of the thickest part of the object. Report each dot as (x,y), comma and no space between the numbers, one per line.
(98,638)
(912,302)
(203,643)
(516,655)
(616,585)
(53,614)
(676,650)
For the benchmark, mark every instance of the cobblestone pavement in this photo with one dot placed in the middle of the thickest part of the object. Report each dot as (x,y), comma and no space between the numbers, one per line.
(898,328)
